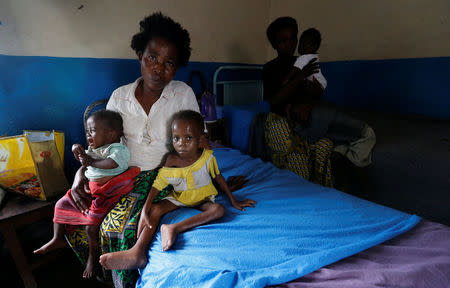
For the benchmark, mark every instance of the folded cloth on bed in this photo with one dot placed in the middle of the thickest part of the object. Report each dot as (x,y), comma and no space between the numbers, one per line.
(296,227)
(105,196)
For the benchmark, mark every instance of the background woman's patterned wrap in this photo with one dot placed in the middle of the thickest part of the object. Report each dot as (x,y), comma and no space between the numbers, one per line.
(310,161)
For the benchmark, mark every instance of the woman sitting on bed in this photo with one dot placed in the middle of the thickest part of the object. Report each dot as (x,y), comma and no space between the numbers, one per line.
(146,105)
(303,134)
(282,35)
(289,151)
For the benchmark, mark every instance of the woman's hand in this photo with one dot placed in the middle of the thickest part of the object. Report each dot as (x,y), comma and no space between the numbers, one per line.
(236,182)
(309,69)
(287,90)
(241,204)
(80,192)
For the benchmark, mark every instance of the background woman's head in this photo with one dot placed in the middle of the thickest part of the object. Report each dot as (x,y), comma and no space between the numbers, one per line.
(162,45)
(282,34)
(186,130)
(104,127)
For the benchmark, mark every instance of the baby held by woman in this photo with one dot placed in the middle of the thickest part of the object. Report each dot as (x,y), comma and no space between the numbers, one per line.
(106,166)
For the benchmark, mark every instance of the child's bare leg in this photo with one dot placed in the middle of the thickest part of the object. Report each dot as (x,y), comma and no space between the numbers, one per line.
(92,235)
(169,232)
(136,257)
(56,242)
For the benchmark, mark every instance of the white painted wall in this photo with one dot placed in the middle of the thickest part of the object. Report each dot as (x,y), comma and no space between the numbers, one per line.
(379,29)
(227,30)
(221,31)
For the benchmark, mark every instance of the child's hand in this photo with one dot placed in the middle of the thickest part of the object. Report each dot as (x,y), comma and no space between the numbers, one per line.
(86,160)
(241,204)
(77,150)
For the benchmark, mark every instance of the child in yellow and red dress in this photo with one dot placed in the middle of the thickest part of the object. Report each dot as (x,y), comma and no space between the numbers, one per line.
(106,166)
(190,170)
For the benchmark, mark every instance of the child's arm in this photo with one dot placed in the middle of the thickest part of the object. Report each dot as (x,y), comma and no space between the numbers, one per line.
(144,218)
(107,163)
(86,160)
(236,204)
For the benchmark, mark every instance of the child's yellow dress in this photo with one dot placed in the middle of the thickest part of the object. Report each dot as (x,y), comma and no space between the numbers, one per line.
(192,184)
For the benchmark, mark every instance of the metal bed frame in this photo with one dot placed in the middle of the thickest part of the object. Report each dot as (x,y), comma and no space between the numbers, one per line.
(238,92)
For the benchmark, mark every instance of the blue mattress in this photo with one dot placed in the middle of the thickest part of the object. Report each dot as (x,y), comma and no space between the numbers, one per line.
(296,228)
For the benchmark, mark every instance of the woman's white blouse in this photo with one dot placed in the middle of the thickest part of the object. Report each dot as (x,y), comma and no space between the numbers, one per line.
(146,135)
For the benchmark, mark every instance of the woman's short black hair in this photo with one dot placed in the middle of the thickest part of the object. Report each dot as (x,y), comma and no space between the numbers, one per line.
(158,25)
(279,24)
(112,119)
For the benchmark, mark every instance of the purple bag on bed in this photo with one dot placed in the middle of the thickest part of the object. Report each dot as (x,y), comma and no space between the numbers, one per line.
(207,100)
(208,106)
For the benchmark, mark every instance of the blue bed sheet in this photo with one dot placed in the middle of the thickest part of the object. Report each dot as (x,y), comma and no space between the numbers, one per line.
(297,227)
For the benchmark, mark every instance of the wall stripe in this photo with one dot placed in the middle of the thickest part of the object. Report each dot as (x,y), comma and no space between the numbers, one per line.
(47,93)
(407,86)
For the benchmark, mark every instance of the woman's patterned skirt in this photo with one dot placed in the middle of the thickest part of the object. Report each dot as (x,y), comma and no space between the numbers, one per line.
(289,151)
(118,229)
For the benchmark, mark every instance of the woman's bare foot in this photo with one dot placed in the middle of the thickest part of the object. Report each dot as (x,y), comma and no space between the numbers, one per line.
(89,272)
(124,260)
(55,243)
(168,236)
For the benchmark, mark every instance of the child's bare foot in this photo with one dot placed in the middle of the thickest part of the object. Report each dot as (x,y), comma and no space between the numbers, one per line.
(124,260)
(55,243)
(168,236)
(89,272)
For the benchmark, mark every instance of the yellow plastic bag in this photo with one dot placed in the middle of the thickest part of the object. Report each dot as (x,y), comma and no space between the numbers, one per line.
(32,164)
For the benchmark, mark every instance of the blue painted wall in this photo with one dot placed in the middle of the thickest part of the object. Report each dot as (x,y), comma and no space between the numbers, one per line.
(45,93)
(407,86)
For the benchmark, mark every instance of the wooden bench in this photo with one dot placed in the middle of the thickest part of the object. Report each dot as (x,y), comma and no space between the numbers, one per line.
(16,212)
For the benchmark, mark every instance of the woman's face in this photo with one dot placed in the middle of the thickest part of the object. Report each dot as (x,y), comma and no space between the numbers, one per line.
(286,41)
(158,63)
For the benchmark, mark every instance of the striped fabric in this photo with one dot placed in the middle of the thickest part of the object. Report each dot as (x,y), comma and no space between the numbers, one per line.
(118,229)
(104,198)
